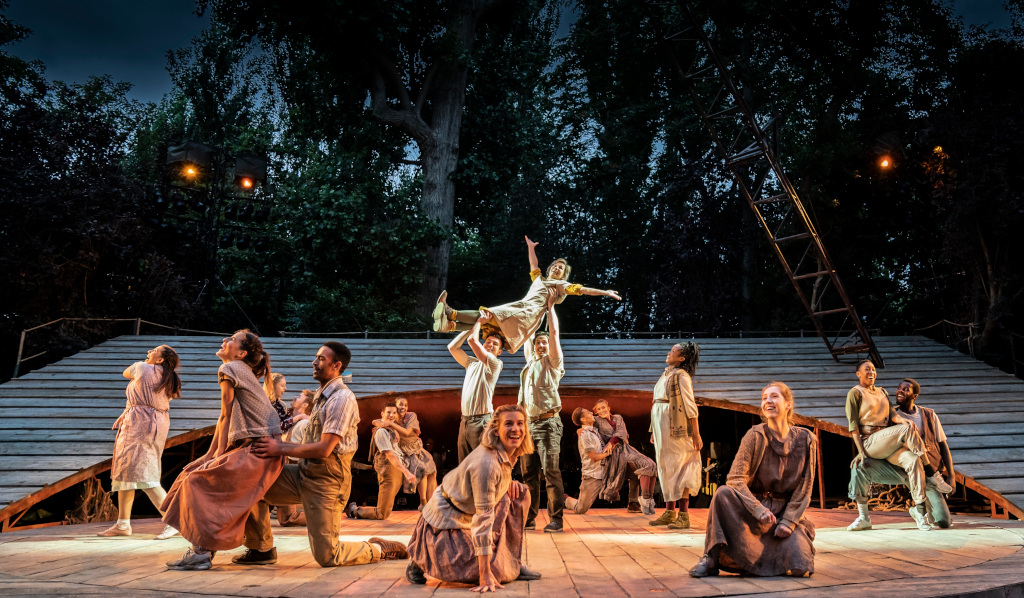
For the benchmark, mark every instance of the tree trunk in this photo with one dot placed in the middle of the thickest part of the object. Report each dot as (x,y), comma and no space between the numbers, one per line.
(440,154)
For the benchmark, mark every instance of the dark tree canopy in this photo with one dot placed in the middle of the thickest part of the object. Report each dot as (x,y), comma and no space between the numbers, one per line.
(412,145)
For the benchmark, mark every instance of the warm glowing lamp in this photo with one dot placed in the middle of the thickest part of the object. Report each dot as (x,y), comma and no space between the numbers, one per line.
(190,171)
(246,183)
(885,162)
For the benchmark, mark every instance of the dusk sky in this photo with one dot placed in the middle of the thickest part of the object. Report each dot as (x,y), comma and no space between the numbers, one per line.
(128,39)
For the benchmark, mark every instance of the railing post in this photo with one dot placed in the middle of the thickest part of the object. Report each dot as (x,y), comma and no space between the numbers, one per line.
(21,349)
(138,326)
(1013,354)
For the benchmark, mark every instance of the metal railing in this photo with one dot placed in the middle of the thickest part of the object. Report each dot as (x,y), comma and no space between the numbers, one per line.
(136,329)
(965,337)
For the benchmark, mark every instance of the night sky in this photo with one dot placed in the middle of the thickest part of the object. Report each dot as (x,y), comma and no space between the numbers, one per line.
(129,39)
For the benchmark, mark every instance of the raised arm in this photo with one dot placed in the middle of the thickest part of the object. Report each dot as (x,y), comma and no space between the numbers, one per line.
(554,342)
(455,348)
(534,264)
(474,336)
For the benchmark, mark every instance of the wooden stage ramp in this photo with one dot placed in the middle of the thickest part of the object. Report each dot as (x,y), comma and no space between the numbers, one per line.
(55,422)
(606,553)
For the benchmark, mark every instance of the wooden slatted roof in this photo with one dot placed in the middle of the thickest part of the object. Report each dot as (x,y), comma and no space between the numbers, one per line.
(55,422)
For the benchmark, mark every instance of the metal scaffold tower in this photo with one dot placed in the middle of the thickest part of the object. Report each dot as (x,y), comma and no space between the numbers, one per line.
(752,159)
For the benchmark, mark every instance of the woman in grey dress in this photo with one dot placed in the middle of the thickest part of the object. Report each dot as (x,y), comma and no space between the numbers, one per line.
(756,523)
(141,434)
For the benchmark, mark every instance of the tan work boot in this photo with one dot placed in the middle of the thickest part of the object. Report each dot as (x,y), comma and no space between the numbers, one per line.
(681,522)
(389,549)
(666,518)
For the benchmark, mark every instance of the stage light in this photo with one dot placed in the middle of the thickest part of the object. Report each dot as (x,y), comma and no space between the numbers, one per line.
(249,171)
(885,162)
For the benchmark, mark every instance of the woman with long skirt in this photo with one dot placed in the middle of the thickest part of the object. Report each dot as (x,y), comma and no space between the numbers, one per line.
(675,434)
(141,434)
(756,522)
(471,530)
(212,497)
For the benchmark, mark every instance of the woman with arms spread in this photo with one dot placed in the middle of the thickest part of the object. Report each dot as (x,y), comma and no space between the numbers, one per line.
(519,320)
(756,522)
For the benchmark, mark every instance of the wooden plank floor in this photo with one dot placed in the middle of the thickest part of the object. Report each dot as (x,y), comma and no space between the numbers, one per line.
(607,553)
(73,402)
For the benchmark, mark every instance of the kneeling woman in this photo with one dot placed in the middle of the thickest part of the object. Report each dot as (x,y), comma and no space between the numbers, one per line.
(756,523)
(471,529)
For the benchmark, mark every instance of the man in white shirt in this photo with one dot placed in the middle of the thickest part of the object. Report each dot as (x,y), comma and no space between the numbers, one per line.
(591,461)
(482,370)
(323,478)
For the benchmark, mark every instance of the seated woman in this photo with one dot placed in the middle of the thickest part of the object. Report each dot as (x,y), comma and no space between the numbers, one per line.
(518,321)
(471,530)
(756,523)
(624,461)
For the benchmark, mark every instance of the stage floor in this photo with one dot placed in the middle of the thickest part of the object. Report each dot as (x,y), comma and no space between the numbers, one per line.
(606,553)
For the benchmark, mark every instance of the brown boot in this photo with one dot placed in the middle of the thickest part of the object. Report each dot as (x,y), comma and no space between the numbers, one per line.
(390,550)
(666,518)
(681,522)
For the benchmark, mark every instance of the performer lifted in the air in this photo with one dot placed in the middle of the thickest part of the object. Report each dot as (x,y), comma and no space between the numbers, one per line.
(519,320)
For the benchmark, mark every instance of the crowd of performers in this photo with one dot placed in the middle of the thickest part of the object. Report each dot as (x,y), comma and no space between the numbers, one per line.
(472,524)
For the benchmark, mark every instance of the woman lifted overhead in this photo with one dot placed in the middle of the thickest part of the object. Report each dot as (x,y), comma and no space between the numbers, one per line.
(518,321)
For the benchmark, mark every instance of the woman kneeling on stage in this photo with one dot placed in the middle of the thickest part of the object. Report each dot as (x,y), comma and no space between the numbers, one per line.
(471,529)
(756,523)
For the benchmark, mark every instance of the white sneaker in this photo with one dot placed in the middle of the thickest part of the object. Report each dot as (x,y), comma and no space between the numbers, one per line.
(939,483)
(920,518)
(646,505)
(169,532)
(859,524)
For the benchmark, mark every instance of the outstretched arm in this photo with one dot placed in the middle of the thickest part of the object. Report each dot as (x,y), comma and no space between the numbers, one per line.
(534,264)
(455,348)
(599,293)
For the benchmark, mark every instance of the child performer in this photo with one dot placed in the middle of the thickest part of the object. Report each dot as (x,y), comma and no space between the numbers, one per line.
(519,320)
(141,434)
(211,499)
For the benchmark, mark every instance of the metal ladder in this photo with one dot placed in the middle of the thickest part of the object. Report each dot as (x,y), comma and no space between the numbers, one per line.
(752,160)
